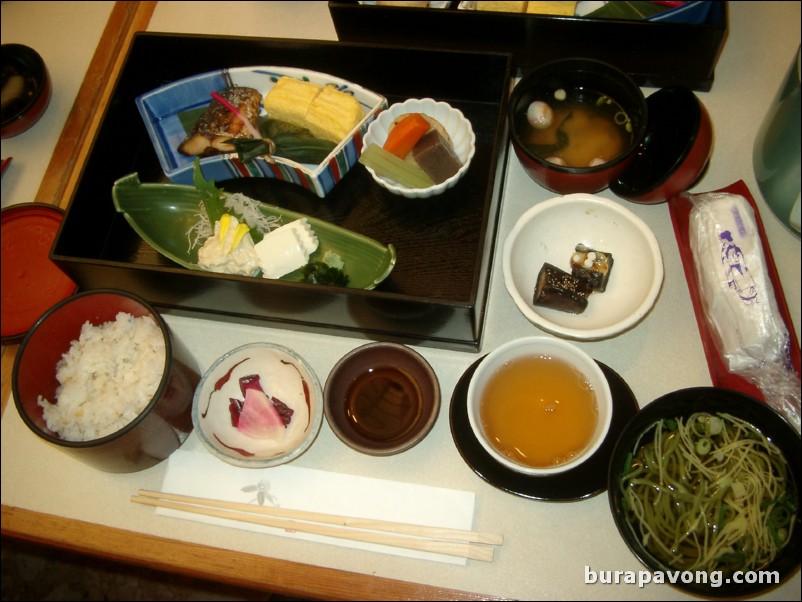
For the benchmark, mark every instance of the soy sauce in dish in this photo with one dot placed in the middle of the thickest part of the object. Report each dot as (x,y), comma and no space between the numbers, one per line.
(384,404)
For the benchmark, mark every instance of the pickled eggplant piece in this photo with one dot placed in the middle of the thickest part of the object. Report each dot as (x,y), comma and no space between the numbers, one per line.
(557,289)
(592,265)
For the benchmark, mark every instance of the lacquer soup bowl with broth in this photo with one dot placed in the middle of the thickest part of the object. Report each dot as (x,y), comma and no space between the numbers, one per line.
(582,125)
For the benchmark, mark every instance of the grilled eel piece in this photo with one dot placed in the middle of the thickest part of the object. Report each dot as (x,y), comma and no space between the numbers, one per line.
(217,124)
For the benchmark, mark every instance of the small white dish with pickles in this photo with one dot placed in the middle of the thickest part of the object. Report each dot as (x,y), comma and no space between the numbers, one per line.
(582,267)
(418,148)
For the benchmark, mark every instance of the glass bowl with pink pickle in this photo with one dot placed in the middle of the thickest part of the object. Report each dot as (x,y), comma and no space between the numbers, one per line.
(257,406)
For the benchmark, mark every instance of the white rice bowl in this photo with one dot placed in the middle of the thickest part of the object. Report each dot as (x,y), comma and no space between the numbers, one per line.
(108,376)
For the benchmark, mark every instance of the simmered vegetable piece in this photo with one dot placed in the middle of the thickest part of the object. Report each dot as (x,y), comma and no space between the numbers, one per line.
(389,166)
(435,156)
(405,134)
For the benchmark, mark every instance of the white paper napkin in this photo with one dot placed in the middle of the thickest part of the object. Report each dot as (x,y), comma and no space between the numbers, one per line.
(287,486)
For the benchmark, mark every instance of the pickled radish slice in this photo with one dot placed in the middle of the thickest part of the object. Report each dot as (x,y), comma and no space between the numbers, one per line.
(259,418)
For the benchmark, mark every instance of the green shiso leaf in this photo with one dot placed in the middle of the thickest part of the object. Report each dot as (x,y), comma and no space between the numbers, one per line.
(211,196)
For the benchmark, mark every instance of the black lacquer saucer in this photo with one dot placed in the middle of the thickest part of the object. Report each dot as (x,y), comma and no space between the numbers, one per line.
(584,481)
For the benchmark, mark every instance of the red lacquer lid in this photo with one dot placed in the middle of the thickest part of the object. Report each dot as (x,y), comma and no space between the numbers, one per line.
(31,283)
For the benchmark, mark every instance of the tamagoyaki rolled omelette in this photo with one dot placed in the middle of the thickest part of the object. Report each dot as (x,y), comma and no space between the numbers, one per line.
(326,112)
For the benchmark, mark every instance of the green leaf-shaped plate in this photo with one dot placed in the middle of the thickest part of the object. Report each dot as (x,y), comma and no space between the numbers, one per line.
(162,214)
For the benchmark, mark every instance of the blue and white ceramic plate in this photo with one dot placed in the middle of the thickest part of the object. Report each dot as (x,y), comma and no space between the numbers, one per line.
(161,110)
(691,13)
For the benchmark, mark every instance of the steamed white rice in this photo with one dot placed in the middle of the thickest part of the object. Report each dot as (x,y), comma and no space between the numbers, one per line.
(107,377)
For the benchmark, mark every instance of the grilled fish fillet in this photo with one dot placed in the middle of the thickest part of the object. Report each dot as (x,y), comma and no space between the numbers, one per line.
(217,124)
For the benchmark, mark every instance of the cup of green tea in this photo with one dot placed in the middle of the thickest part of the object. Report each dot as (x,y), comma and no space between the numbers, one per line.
(539,405)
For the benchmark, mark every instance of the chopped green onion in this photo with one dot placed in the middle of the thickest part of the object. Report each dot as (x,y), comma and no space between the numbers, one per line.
(780,515)
(722,516)
(703,446)
(715,425)
(630,469)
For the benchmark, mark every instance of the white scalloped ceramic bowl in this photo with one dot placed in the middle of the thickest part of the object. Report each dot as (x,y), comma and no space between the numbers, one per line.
(548,233)
(455,123)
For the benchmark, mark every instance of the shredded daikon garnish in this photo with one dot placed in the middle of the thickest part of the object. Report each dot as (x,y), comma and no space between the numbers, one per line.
(248,208)
(200,231)
(245,207)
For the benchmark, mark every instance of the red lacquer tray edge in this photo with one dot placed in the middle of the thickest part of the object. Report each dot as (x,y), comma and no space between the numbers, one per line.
(679,208)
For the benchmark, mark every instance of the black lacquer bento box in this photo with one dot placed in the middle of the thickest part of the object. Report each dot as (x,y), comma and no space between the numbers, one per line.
(437,292)
(657,54)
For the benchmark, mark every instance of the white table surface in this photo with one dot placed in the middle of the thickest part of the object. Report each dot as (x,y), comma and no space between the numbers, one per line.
(547,545)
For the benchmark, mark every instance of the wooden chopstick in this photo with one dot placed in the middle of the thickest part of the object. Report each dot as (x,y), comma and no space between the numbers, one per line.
(344,521)
(452,542)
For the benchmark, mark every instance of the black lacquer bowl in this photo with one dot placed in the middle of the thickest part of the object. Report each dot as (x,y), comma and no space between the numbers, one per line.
(711,400)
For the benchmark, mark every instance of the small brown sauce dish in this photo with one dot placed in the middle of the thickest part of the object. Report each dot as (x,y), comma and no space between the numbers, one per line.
(381,398)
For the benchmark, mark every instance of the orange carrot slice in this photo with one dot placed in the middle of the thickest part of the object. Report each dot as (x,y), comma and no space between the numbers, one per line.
(405,134)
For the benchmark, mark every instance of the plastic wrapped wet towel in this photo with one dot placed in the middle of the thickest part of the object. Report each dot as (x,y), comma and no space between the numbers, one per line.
(738,298)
